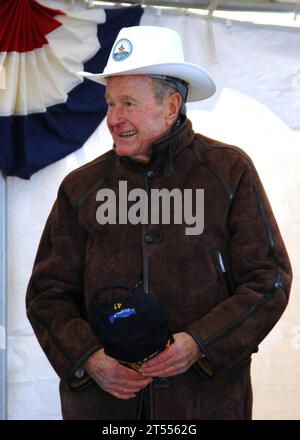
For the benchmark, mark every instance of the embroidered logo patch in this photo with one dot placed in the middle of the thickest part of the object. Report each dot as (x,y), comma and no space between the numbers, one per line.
(122,314)
(122,50)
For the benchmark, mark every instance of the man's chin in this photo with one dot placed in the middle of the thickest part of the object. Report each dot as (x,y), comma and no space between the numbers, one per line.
(131,151)
(126,149)
(123,151)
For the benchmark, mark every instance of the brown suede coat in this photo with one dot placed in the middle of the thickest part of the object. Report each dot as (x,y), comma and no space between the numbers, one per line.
(227,286)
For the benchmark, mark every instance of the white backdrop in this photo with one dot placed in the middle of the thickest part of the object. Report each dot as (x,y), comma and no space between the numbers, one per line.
(257,107)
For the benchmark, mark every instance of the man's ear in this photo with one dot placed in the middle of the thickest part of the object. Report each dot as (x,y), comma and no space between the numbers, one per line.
(173,108)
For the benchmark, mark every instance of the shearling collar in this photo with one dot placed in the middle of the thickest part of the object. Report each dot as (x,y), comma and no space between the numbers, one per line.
(163,151)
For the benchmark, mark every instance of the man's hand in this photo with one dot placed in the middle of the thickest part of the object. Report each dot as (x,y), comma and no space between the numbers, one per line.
(175,359)
(114,378)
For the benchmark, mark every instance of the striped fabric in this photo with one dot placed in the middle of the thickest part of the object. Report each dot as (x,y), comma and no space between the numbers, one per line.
(46,110)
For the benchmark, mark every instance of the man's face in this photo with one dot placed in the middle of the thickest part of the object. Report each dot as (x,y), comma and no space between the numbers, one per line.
(134,118)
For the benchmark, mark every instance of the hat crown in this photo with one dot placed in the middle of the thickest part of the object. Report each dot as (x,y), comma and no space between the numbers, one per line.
(154,50)
(139,46)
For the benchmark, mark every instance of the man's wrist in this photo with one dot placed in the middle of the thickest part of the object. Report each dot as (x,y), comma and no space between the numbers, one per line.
(203,361)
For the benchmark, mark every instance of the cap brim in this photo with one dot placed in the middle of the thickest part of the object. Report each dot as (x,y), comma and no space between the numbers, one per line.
(201,85)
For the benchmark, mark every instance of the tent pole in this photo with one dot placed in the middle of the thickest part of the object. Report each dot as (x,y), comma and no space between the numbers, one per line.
(225,5)
(3,304)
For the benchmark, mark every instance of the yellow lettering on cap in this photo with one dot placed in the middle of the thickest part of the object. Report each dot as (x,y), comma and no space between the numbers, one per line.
(117,306)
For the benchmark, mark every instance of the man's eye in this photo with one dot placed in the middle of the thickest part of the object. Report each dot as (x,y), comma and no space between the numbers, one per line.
(129,104)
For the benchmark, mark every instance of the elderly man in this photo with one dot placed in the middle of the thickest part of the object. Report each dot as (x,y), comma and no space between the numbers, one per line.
(224,288)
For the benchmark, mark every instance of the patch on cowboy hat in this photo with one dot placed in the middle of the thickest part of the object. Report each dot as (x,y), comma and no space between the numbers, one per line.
(154,50)
(131,325)
(122,50)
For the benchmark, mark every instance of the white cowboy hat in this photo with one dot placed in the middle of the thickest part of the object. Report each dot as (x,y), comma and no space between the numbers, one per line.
(153,50)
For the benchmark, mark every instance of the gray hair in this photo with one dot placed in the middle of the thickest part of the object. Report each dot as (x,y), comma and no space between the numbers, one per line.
(163,88)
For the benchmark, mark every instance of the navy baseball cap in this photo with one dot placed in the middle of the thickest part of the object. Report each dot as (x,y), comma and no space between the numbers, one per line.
(131,324)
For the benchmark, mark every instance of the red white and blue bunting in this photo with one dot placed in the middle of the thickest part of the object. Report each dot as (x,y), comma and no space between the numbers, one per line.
(46,110)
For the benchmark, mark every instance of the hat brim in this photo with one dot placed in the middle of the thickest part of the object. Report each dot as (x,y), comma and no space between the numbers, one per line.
(201,85)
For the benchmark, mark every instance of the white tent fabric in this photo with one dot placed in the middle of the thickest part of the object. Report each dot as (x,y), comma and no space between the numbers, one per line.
(257,108)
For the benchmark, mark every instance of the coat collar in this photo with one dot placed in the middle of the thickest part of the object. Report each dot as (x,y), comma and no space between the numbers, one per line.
(163,151)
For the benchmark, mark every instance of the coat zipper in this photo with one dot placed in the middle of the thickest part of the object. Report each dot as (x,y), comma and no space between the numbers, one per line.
(219,259)
(146,397)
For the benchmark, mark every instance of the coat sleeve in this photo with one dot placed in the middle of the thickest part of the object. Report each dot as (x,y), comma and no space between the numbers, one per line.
(54,298)
(262,276)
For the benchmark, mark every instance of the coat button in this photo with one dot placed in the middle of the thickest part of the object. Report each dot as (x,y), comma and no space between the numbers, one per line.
(153,238)
(161,383)
(149,238)
(150,174)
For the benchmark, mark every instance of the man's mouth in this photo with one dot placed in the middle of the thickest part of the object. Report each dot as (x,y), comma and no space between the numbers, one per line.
(127,133)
